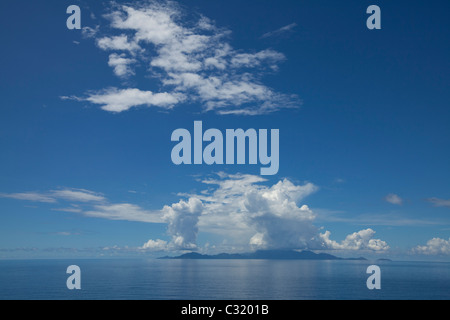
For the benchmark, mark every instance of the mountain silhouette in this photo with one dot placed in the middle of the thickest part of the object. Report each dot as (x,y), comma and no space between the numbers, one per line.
(263,255)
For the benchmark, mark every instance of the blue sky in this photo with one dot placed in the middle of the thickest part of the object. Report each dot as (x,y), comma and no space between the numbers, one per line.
(87,115)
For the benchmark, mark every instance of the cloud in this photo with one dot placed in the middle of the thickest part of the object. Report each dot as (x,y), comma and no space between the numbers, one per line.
(280,31)
(124,211)
(362,240)
(248,214)
(390,219)
(255,60)
(29,196)
(78,195)
(155,245)
(120,43)
(435,246)
(439,202)
(182,218)
(279,221)
(394,199)
(244,210)
(121,65)
(253,215)
(118,100)
(67,233)
(192,59)
(88,32)
(70,210)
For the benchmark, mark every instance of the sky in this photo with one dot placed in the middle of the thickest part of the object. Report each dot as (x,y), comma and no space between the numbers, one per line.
(87,116)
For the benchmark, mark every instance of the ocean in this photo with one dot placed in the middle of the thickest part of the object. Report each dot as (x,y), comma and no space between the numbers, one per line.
(222,280)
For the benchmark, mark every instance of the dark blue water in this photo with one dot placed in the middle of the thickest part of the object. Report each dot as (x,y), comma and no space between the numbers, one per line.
(222,279)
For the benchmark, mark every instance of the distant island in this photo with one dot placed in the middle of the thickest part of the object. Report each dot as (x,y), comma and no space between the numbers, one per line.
(263,255)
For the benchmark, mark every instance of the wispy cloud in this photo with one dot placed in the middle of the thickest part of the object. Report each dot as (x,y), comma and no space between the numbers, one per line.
(394,199)
(278,32)
(77,195)
(125,212)
(29,196)
(192,59)
(439,202)
(89,32)
(376,219)
(70,210)
(67,233)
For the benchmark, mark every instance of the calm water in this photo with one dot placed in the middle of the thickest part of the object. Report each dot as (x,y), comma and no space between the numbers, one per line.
(222,279)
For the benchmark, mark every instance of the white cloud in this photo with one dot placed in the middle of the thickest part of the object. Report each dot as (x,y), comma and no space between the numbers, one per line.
(125,211)
(120,43)
(121,65)
(116,100)
(362,240)
(439,202)
(29,196)
(78,195)
(182,218)
(280,31)
(246,212)
(394,199)
(257,241)
(255,60)
(70,210)
(240,208)
(435,246)
(155,245)
(191,58)
(67,233)
(89,32)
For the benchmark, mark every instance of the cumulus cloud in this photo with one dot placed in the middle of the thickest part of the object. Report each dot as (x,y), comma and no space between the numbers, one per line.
(362,240)
(244,210)
(435,246)
(252,215)
(280,222)
(394,199)
(182,218)
(191,58)
(155,245)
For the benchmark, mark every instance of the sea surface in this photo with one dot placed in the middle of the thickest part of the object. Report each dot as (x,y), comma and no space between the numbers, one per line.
(222,280)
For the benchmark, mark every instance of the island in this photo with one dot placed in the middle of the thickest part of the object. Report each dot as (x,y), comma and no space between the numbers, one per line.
(263,255)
